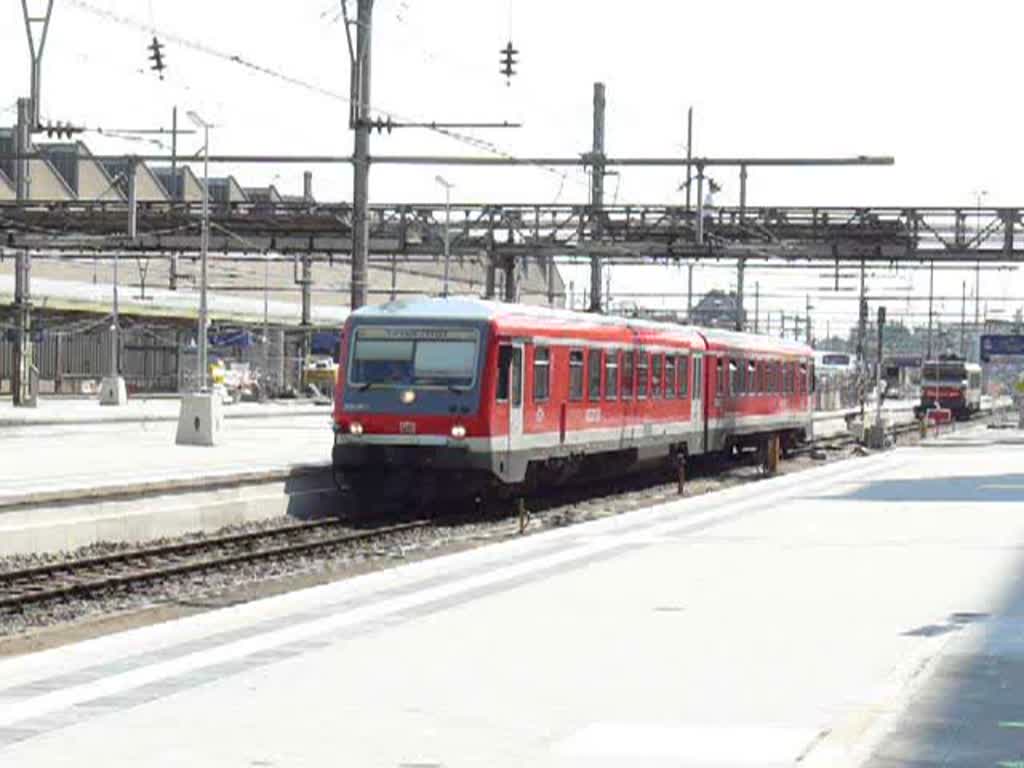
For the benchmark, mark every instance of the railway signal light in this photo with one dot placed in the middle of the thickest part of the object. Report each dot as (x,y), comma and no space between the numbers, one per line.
(156,56)
(508,62)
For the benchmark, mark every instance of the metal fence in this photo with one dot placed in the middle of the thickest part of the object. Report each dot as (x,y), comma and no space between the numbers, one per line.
(151,358)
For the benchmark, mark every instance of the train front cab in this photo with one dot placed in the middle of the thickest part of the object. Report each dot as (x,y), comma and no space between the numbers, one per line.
(411,406)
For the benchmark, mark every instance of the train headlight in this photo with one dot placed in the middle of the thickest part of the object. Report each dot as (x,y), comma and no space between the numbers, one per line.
(355,428)
(458,432)
(408,397)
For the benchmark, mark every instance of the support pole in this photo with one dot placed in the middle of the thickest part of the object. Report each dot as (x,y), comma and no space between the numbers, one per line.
(743,193)
(22,146)
(757,306)
(977,303)
(511,283)
(36,52)
(175,196)
(741,265)
(307,308)
(307,281)
(204,248)
(23,392)
(861,332)
(491,277)
(689,292)
(596,194)
(807,328)
(963,320)
(689,154)
(22,379)
(361,155)
(551,280)
(700,205)
(931,299)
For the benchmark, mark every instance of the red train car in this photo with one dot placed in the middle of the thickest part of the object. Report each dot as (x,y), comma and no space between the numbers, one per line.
(461,394)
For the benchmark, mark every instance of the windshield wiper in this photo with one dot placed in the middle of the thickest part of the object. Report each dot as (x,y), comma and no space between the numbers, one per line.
(366,386)
(457,389)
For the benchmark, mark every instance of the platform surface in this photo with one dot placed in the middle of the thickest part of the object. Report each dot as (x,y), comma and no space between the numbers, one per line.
(72,457)
(864,611)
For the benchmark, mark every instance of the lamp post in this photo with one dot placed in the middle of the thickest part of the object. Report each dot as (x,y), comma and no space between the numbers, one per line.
(978,195)
(204,246)
(448,186)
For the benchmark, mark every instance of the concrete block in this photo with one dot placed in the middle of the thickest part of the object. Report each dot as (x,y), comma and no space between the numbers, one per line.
(200,420)
(113,391)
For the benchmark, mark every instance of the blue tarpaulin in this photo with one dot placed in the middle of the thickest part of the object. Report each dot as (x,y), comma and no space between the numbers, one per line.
(325,343)
(233,337)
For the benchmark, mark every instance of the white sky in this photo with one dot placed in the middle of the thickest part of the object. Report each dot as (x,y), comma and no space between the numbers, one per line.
(928,82)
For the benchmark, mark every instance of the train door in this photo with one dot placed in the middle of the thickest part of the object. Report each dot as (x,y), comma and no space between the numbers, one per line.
(515,400)
(698,414)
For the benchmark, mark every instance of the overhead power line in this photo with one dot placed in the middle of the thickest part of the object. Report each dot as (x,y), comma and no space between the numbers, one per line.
(199,47)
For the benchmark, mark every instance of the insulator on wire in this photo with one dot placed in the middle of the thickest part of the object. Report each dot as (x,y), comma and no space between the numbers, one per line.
(156,56)
(508,62)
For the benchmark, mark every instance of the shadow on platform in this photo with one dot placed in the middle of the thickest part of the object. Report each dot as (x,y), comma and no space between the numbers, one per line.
(967,488)
(970,712)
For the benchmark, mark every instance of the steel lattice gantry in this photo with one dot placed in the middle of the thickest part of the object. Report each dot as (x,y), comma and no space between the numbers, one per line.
(621,234)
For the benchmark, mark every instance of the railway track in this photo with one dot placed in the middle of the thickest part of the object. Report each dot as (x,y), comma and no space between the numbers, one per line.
(92,577)
(119,570)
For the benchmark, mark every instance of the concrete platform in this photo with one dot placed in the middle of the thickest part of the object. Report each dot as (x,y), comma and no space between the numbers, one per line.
(76,473)
(869,610)
(58,411)
(72,484)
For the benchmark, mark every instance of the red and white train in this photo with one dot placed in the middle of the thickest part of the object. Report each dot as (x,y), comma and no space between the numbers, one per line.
(456,395)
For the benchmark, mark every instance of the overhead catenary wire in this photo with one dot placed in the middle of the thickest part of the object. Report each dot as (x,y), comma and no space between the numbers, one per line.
(208,50)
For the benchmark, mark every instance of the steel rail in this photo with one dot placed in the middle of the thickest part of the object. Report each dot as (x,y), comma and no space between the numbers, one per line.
(128,563)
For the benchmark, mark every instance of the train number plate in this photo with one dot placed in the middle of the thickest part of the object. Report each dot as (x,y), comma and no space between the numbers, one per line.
(407,427)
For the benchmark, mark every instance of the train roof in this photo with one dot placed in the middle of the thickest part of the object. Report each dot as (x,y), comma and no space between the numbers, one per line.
(762,343)
(471,308)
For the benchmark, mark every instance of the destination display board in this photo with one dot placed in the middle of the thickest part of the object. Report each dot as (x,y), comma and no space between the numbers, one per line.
(1001,345)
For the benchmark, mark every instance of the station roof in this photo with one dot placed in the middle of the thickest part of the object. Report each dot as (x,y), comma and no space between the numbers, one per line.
(68,296)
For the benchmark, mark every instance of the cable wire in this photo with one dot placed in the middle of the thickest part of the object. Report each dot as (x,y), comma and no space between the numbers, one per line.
(199,47)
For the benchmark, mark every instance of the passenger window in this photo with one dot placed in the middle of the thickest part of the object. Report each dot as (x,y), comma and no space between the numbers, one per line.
(628,359)
(698,378)
(803,377)
(641,376)
(594,375)
(504,366)
(611,374)
(734,384)
(656,375)
(576,374)
(683,375)
(670,377)
(752,377)
(541,374)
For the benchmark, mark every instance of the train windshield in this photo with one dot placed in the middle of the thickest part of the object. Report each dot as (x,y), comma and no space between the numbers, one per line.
(944,372)
(406,356)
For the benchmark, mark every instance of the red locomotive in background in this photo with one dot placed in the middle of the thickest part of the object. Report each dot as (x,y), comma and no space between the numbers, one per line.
(458,395)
